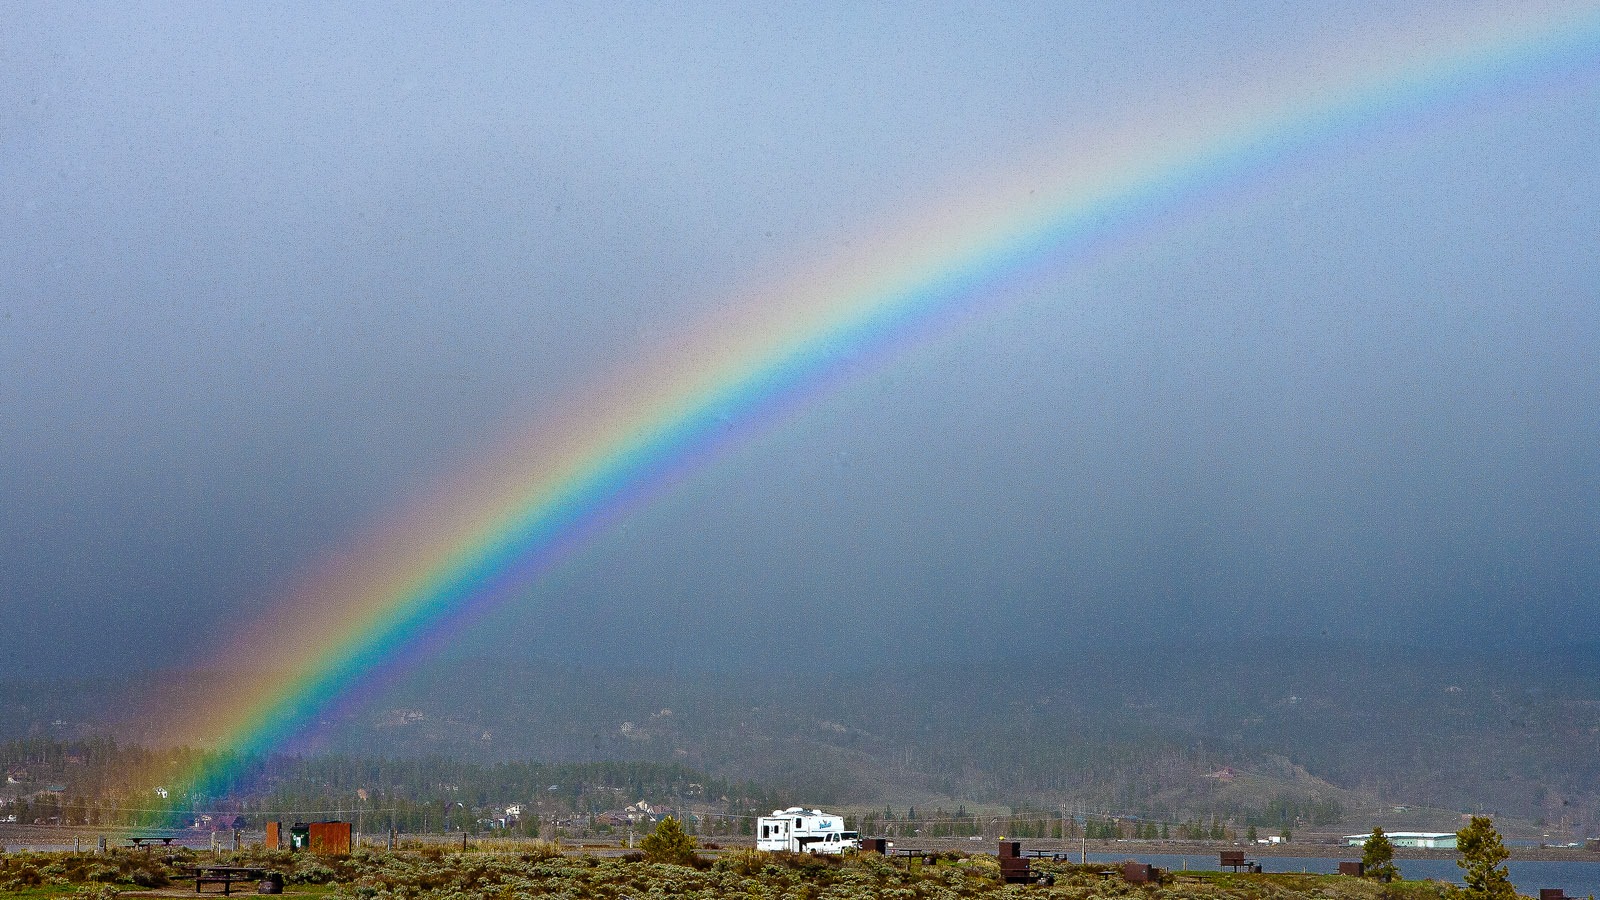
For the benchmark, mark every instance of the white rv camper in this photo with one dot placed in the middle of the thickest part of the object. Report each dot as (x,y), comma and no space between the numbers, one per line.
(804,831)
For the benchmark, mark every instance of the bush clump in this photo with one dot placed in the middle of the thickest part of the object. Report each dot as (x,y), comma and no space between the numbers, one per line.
(539,871)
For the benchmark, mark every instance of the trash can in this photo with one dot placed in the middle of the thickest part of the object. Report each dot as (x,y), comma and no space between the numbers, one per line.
(272,884)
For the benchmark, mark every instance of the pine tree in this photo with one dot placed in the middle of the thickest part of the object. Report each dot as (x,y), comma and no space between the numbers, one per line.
(1377,856)
(669,843)
(1481,862)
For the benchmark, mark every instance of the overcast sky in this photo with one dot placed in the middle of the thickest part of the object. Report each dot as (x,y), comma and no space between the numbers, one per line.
(268,272)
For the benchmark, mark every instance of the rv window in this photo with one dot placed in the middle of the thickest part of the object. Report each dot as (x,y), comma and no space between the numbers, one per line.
(797,823)
(764,830)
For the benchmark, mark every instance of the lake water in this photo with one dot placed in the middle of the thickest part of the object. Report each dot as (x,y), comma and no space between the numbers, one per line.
(1576,878)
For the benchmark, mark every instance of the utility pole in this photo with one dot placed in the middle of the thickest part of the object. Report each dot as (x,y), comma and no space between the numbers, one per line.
(1083,841)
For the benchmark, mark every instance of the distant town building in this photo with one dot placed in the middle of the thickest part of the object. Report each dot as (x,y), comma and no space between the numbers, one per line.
(1422,840)
(640,813)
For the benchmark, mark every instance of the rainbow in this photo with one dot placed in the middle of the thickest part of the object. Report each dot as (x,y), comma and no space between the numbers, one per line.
(484,536)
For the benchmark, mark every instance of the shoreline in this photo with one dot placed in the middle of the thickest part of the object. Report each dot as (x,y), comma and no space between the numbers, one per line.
(15,836)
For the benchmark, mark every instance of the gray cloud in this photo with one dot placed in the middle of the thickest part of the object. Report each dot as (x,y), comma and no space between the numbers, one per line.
(269,272)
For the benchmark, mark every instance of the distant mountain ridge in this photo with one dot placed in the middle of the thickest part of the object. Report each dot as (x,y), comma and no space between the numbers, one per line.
(1291,738)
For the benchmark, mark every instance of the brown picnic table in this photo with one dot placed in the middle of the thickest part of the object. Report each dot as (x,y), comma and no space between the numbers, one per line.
(225,876)
(912,853)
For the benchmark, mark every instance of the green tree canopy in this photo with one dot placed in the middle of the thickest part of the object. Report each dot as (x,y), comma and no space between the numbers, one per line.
(1482,861)
(1377,856)
(669,843)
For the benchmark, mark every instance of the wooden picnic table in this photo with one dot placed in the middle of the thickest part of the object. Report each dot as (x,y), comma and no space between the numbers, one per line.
(151,840)
(1234,859)
(226,876)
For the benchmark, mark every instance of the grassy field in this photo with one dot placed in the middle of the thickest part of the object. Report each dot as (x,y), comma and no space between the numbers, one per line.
(542,871)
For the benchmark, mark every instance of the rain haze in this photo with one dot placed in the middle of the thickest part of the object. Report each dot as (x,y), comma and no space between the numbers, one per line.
(271,272)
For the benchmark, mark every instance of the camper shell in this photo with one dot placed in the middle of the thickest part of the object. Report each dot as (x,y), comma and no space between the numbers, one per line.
(799,830)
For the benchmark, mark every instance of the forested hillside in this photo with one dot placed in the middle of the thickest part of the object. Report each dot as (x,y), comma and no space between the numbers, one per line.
(99,782)
(1276,737)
